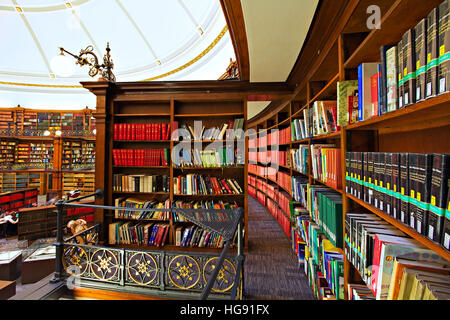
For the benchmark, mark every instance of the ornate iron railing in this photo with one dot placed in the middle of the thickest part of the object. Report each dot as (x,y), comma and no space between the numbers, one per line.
(156,270)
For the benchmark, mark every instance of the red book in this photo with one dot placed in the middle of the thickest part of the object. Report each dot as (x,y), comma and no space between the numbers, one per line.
(152,131)
(374,84)
(138,131)
(226,186)
(167,136)
(163,130)
(116,131)
(163,160)
(158,131)
(133,132)
(114,152)
(174,129)
(123,157)
(159,235)
(166,232)
(142,132)
(153,158)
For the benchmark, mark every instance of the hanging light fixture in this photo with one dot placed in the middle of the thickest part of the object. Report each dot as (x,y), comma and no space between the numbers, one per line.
(88,57)
(62,66)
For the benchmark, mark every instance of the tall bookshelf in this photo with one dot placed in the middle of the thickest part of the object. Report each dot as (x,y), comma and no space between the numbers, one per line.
(419,128)
(214,103)
(34,154)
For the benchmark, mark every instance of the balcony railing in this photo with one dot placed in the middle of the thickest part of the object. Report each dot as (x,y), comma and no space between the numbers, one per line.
(80,260)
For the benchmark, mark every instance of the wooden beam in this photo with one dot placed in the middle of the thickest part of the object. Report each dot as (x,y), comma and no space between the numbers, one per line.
(234,16)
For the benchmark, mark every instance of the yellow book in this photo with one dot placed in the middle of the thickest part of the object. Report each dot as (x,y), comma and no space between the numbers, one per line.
(401,264)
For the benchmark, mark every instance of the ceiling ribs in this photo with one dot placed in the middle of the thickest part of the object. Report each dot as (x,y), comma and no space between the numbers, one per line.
(139,31)
(33,35)
(191,17)
(86,31)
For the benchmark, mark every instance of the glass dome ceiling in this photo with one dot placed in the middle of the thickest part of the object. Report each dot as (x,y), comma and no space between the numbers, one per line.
(149,40)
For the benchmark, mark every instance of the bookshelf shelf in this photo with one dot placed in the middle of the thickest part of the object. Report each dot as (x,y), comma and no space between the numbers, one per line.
(178,106)
(406,229)
(325,184)
(141,193)
(429,110)
(174,248)
(335,135)
(203,115)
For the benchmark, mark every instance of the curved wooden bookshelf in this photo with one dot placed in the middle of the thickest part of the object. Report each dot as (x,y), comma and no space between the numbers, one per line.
(423,127)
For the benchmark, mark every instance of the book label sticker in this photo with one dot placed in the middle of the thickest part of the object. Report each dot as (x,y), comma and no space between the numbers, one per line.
(447,241)
(430,232)
(412,222)
(418,93)
(433,200)
(442,85)
(428,89)
(418,196)
(441,50)
(412,194)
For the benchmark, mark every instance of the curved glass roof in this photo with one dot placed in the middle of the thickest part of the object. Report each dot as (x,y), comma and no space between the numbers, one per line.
(149,40)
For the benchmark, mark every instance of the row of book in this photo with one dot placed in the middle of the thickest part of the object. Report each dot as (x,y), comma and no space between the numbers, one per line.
(299,186)
(411,187)
(277,212)
(228,131)
(136,203)
(382,253)
(325,207)
(194,236)
(220,157)
(275,157)
(29,123)
(276,137)
(141,183)
(142,131)
(323,263)
(193,184)
(23,155)
(300,159)
(138,233)
(141,157)
(413,70)
(325,164)
(208,204)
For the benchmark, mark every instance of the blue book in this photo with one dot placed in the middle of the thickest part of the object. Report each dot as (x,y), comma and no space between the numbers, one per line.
(360,94)
(381,108)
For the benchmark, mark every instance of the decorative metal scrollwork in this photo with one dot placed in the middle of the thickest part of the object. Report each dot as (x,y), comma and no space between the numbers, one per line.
(75,256)
(142,268)
(225,278)
(104,264)
(183,272)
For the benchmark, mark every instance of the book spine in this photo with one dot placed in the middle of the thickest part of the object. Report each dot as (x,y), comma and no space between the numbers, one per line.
(395,199)
(383,80)
(444,47)
(391,79)
(409,67)
(432,53)
(400,74)
(421,59)
(404,188)
(360,93)
(438,193)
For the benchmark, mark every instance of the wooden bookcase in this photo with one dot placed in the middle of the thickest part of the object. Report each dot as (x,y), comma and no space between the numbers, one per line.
(421,128)
(47,157)
(212,102)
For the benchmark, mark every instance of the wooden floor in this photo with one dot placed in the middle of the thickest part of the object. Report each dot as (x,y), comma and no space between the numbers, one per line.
(271,269)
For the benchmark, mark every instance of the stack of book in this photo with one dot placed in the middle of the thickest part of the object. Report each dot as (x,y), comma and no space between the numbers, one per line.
(7,153)
(300,159)
(324,117)
(299,187)
(141,157)
(193,184)
(220,157)
(285,135)
(137,203)
(374,247)
(138,233)
(141,131)
(411,187)
(209,204)
(228,131)
(284,180)
(141,183)
(7,125)
(298,130)
(326,164)
(194,236)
